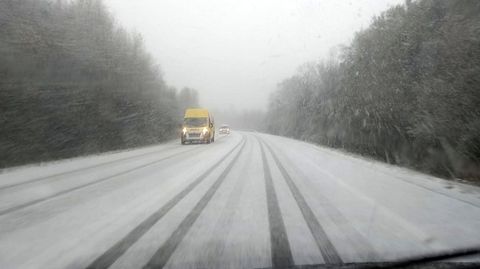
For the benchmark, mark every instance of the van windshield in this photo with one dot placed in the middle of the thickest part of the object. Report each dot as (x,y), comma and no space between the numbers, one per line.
(195,122)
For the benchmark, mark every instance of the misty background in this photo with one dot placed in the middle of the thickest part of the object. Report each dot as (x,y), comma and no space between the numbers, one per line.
(394,80)
(236,52)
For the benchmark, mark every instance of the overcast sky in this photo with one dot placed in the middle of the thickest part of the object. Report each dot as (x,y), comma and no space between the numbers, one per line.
(234,52)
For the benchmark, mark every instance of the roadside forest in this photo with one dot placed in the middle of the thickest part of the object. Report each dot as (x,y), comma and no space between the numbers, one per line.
(405,91)
(74,82)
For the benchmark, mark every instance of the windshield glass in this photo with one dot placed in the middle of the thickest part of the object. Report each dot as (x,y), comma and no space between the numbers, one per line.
(353,134)
(195,122)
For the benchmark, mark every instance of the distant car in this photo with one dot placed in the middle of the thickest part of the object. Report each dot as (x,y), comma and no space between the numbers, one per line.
(224,129)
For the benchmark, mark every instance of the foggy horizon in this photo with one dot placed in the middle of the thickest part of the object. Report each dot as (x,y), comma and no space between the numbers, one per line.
(325,134)
(233,62)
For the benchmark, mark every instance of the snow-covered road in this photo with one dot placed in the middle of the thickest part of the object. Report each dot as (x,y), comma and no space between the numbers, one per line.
(249,200)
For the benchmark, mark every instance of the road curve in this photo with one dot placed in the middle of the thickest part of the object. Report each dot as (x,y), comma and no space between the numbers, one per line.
(249,200)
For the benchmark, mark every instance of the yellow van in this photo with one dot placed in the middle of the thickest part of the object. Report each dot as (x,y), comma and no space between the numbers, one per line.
(198,126)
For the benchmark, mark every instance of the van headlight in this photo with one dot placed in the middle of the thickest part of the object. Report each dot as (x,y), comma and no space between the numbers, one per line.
(184,130)
(204,131)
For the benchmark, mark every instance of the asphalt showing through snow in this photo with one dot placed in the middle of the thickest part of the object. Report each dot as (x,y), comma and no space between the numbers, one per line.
(249,200)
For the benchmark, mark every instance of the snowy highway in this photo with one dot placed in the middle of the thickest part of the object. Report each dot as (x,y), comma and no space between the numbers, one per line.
(249,200)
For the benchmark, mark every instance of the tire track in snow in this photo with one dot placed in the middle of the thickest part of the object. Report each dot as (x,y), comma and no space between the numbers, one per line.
(163,254)
(328,251)
(216,248)
(117,250)
(35,180)
(98,181)
(280,247)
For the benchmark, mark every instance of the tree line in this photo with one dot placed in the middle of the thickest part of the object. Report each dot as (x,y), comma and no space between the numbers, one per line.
(73,82)
(405,91)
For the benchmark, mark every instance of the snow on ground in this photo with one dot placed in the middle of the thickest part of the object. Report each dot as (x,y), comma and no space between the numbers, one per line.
(206,206)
